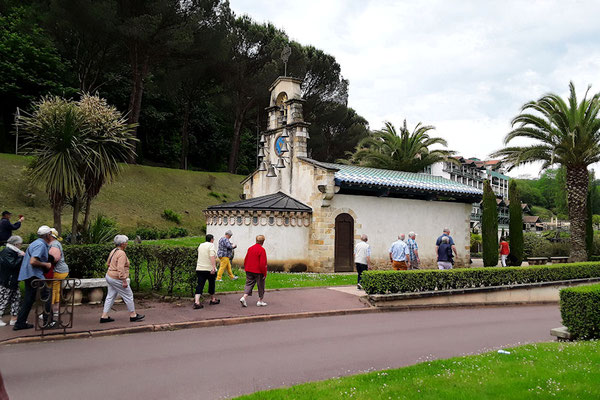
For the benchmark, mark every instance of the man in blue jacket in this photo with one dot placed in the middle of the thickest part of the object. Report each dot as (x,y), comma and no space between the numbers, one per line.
(6,228)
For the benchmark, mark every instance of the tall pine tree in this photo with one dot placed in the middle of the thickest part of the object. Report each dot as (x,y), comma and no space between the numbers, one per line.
(489,226)
(515,227)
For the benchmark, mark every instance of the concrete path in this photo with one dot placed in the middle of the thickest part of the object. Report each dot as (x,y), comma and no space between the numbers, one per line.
(226,361)
(279,302)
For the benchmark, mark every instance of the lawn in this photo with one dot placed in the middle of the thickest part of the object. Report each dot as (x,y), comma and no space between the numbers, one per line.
(137,198)
(275,280)
(538,371)
(190,241)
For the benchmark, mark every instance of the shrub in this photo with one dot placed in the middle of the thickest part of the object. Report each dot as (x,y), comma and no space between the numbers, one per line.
(536,246)
(382,282)
(475,243)
(489,226)
(515,229)
(172,216)
(176,232)
(215,195)
(167,267)
(101,230)
(580,311)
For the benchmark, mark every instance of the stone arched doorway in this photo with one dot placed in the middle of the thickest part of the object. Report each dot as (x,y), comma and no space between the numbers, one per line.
(344,243)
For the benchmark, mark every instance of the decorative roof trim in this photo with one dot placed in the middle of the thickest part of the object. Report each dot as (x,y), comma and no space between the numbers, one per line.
(272,202)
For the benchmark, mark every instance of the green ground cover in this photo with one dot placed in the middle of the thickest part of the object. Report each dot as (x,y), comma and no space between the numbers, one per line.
(188,241)
(538,371)
(138,197)
(275,280)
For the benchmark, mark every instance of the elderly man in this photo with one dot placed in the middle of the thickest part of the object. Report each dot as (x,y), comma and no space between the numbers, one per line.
(225,254)
(255,265)
(399,256)
(6,228)
(362,257)
(444,252)
(35,263)
(446,233)
(206,270)
(413,250)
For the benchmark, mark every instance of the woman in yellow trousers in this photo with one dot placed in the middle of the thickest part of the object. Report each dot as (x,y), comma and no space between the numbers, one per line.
(225,254)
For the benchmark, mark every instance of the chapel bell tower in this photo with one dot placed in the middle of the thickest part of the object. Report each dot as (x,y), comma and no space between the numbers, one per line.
(285,138)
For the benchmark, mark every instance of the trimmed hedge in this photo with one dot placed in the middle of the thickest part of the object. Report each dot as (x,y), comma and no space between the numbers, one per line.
(166,267)
(382,282)
(580,311)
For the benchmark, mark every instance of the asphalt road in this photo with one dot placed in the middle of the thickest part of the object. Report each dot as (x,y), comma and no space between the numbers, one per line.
(225,361)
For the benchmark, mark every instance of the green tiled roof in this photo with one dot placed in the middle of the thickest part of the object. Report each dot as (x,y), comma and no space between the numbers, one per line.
(384,178)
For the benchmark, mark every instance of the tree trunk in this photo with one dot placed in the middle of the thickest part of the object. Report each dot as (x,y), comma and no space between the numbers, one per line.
(86,218)
(577,188)
(240,115)
(185,135)
(75,221)
(139,65)
(57,205)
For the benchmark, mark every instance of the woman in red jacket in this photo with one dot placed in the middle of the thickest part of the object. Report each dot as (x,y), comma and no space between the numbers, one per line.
(255,265)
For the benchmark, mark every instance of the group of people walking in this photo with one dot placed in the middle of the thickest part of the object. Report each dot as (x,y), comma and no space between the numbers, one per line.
(404,253)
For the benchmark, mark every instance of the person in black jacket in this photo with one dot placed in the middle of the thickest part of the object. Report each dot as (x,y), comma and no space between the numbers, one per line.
(445,260)
(10,264)
(6,228)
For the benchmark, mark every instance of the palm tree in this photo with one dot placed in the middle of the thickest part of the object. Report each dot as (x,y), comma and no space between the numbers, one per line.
(565,133)
(55,135)
(403,151)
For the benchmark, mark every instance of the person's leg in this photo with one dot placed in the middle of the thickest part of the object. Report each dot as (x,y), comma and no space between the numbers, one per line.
(360,268)
(503,258)
(200,286)
(111,295)
(56,288)
(211,286)
(4,299)
(440,265)
(127,296)
(222,267)
(260,283)
(28,301)
(15,301)
(250,282)
(228,266)
(403,266)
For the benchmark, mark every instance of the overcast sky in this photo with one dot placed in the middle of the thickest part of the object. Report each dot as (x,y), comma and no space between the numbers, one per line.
(465,67)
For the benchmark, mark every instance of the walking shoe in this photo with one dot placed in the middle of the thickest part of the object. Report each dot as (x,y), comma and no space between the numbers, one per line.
(138,317)
(2,323)
(13,322)
(198,306)
(243,301)
(234,278)
(359,286)
(105,320)
(261,304)
(218,280)
(21,327)
(50,325)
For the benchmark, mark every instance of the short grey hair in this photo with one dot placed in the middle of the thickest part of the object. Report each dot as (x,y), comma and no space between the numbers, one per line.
(15,240)
(229,233)
(446,230)
(445,239)
(364,237)
(411,234)
(120,239)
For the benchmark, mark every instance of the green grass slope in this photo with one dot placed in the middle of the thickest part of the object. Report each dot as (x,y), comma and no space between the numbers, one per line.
(137,198)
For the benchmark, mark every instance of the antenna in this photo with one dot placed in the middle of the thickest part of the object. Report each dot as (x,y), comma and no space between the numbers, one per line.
(285,56)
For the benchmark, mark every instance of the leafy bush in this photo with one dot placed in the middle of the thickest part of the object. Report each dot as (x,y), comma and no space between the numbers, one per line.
(537,246)
(172,216)
(475,243)
(215,195)
(167,267)
(382,282)
(152,233)
(101,230)
(580,311)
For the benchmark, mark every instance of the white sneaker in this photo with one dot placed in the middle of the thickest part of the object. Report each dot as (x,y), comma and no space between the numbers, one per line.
(2,323)
(243,301)
(261,304)
(13,322)
(234,278)
(219,280)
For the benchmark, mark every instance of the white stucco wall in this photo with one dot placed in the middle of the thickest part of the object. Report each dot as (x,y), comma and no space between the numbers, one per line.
(383,219)
(285,245)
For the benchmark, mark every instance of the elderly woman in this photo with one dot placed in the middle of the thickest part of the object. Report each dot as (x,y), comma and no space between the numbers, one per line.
(116,277)
(10,264)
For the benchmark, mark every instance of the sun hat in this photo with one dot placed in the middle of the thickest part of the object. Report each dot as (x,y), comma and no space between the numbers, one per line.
(55,234)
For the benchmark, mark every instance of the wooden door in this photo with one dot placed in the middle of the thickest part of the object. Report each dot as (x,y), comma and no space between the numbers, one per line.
(344,240)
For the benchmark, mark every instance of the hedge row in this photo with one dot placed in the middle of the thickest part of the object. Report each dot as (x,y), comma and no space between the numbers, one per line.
(580,311)
(382,282)
(166,267)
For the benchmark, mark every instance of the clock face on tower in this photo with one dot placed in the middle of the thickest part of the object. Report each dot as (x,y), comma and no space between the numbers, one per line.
(278,145)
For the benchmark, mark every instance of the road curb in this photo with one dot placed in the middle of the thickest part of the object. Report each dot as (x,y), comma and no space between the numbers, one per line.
(191,325)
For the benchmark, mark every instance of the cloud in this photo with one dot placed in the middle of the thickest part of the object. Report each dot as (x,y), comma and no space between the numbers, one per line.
(464,66)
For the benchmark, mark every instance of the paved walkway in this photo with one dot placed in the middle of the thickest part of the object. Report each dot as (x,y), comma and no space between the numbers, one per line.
(294,301)
(226,361)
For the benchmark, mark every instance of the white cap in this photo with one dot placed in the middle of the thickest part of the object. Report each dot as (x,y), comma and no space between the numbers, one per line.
(44,230)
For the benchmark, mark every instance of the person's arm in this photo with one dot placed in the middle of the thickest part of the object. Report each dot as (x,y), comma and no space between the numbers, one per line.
(262,258)
(454,250)
(369,257)
(407,254)
(121,263)
(391,258)
(16,225)
(213,259)
(35,262)
(416,251)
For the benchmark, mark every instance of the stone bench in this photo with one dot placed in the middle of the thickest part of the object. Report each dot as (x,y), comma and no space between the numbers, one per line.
(537,260)
(559,260)
(95,290)
(561,333)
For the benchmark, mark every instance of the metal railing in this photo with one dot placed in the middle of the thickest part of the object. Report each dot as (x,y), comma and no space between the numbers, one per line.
(44,315)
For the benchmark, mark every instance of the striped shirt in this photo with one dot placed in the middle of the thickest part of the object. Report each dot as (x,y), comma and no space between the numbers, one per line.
(412,246)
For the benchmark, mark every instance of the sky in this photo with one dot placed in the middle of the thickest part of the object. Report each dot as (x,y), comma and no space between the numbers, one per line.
(465,67)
